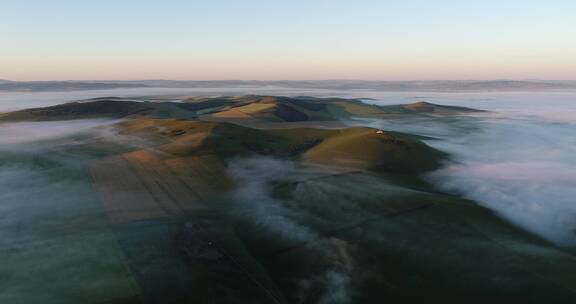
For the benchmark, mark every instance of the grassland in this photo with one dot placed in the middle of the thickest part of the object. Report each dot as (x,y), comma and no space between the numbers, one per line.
(371,219)
(210,210)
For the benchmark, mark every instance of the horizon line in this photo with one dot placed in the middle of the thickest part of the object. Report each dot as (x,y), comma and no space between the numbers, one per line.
(296,80)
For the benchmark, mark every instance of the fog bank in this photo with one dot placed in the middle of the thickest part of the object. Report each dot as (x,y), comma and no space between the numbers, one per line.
(519,161)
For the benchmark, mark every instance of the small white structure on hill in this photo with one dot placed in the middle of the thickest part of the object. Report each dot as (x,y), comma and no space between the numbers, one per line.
(379,132)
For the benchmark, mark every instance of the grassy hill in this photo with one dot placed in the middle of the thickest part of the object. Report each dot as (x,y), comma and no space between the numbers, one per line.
(360,148)
(367,216)
(102,108)
(212,211)
(423,107)
(367,148)
(252,108)
(276,109)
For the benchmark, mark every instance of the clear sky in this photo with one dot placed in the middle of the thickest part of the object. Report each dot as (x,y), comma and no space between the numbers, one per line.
(287,39)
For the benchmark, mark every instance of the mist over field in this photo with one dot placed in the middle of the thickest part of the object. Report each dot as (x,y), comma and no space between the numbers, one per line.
(517,160)
(14,135)
(316,204)
(524,169)
(50,217)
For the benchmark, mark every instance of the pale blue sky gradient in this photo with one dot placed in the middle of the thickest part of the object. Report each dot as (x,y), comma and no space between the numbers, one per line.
(298,39)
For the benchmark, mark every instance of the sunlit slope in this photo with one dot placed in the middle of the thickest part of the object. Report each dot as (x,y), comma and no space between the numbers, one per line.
(186,164)
(177,173)
(370,149)
(272,109)
(360,148)
(146,185)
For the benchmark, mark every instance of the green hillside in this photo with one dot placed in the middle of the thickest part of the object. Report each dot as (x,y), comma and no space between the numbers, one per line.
(361,148)
(357,193)
(103,108)
(367,148)
(203,209)
(237,109)
(423,107)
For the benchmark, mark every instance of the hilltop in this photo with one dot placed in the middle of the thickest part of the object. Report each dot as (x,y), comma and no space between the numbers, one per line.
(354,148)
(109,107)
(423,107)
(238,109)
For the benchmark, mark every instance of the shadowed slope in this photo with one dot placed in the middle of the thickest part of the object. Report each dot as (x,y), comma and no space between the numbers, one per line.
(102,108)
(423,107)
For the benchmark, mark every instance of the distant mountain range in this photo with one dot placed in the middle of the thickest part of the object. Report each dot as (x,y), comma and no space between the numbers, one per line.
(43,86)
(429,86)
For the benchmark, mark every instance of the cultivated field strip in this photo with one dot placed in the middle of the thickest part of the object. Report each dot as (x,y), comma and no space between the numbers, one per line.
(124,195)
(141,185)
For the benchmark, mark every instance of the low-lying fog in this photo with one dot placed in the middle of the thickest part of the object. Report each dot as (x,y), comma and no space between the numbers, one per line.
(518,160)
(54,235)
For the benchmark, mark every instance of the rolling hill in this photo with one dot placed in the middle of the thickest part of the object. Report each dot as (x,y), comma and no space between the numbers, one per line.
(237,109)
(207,210)
(423,107)
(359,148)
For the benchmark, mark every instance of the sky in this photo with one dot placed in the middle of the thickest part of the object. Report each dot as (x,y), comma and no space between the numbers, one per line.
(279,39)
